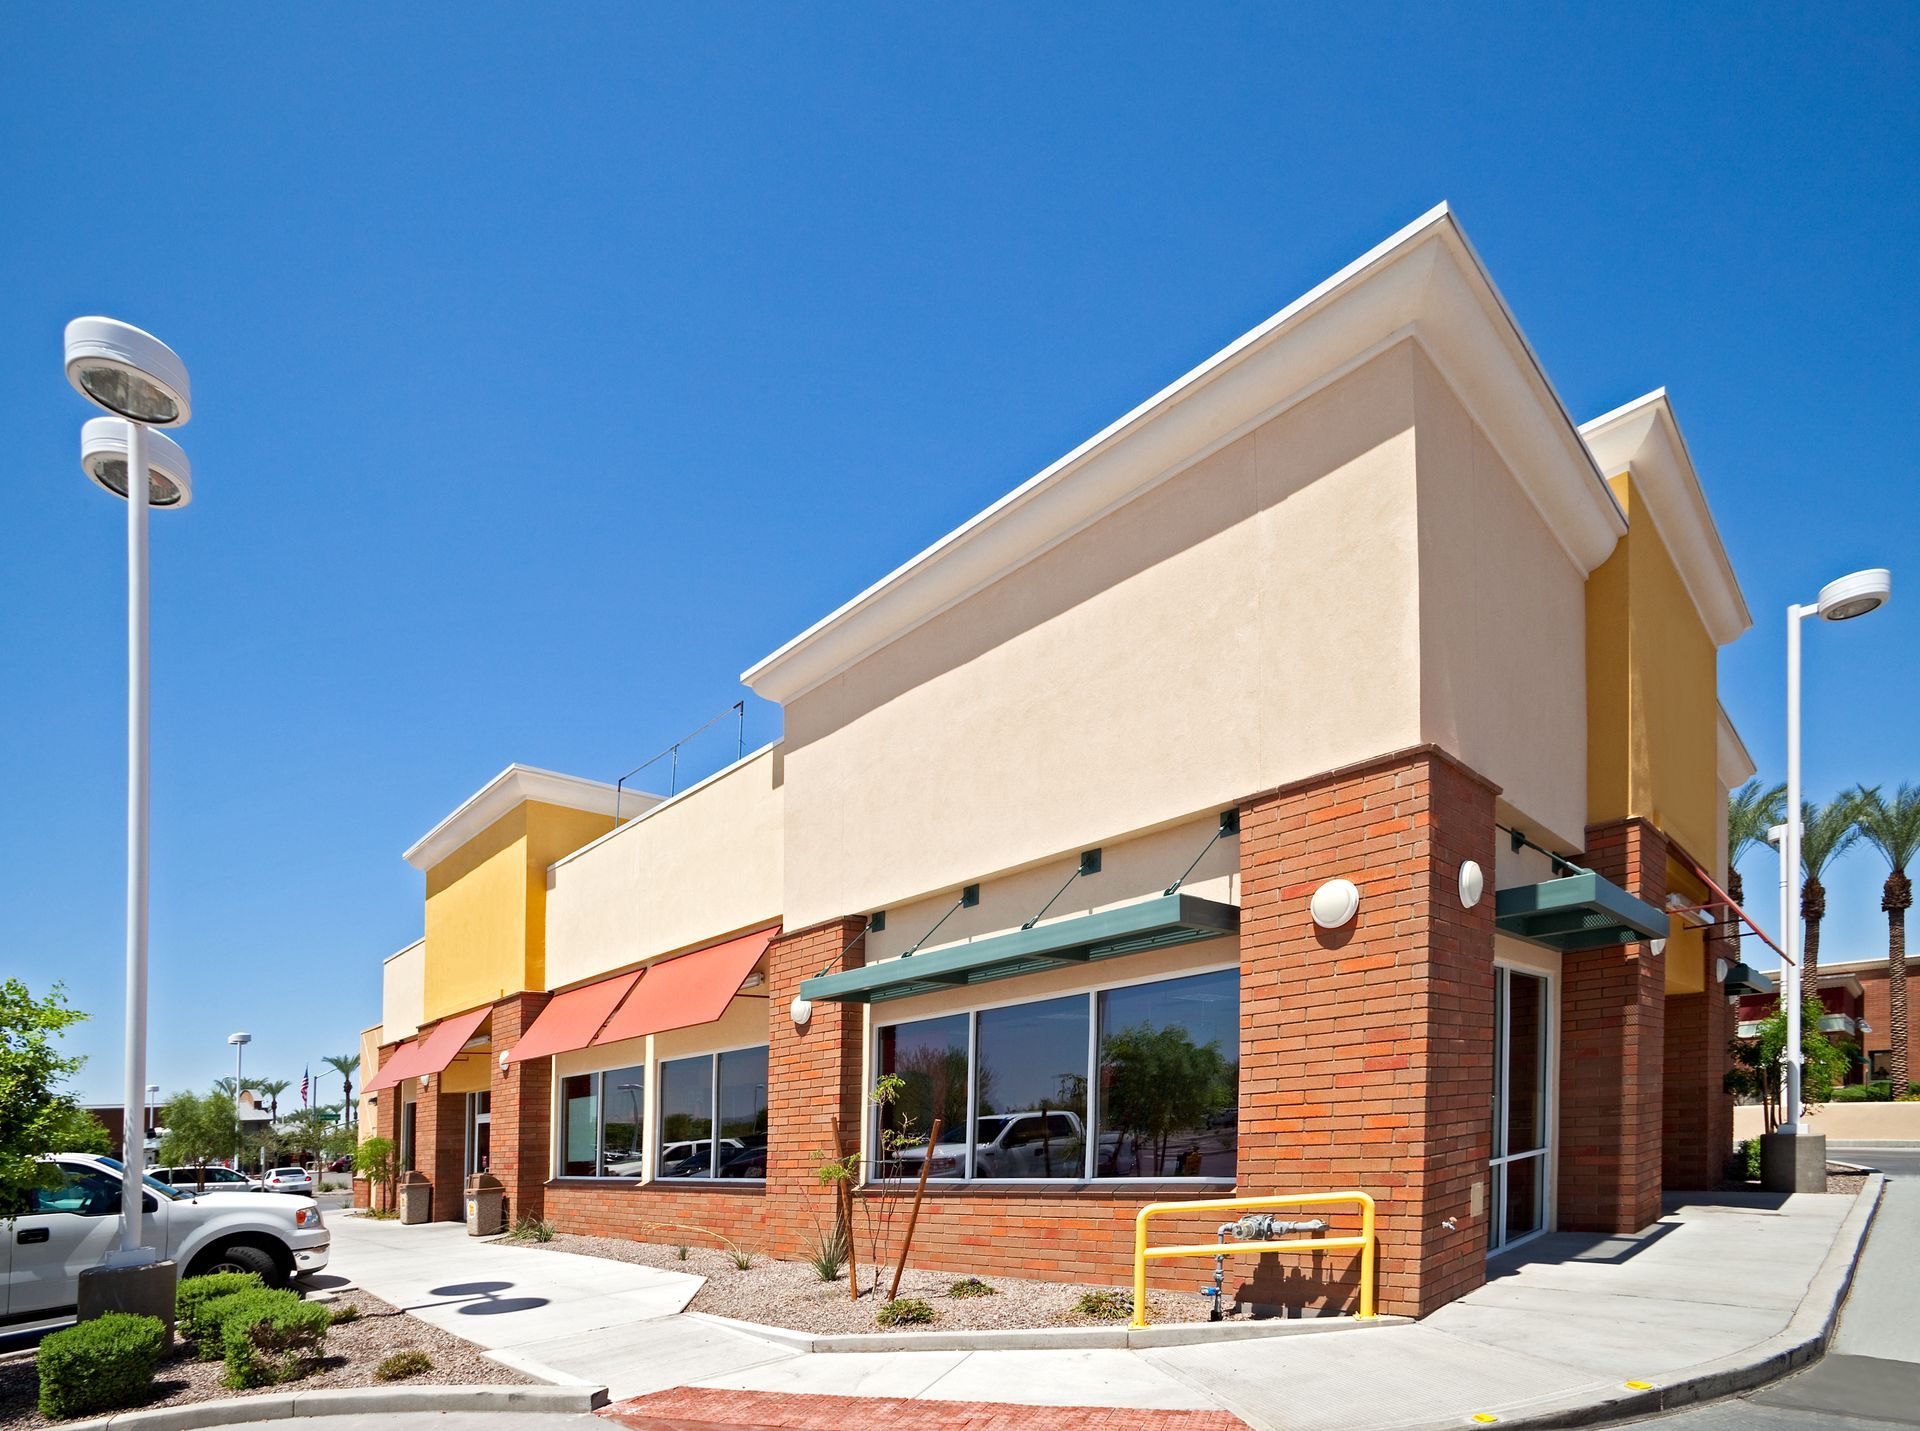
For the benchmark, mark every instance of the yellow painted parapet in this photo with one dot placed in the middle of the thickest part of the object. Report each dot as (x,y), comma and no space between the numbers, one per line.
(1364,1243)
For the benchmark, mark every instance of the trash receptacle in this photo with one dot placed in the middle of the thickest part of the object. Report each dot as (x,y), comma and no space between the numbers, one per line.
(486,1206)
(416,1197)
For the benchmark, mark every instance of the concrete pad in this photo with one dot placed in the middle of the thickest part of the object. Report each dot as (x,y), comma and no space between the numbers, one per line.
(1404,1376)
(1649,1340)
(1082,1377)
(904,1373)
(640,1357)
(1863,1386)
(1879,1319)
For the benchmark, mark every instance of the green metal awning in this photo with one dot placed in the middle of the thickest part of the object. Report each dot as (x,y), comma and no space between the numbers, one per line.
(1159,923)
(1577,911)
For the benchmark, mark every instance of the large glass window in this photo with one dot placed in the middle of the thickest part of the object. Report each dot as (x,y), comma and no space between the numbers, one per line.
(580,1122)
(690,1090)
(1018,1087)
(623,1121)
(930,1058)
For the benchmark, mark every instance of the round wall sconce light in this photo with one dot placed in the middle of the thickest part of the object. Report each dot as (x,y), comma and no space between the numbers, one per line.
(1335,903)
(800,1010)
(504,1055)
(1473,884)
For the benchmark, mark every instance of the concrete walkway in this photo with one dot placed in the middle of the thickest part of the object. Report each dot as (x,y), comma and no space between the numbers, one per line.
(1568,1326)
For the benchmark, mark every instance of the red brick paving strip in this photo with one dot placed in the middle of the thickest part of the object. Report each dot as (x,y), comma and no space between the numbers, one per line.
(691,1408)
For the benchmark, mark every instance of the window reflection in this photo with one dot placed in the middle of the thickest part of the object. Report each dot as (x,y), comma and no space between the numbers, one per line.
(743,1114)
(930,1059)
(1169,1078)
(1030,1091)
(623,1121)
(686,1117)
(580,1112)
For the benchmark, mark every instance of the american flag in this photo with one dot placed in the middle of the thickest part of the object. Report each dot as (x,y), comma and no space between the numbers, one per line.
(303,1088)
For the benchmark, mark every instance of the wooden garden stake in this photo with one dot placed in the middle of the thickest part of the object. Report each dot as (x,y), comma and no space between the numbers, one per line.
(845,1199)
(906,1240)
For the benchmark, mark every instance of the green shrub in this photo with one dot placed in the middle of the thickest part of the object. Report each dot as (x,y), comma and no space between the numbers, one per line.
(346,1314)
(531,1229)
(1107,1306)
(190,1301)
(1746,1160)
(904,1312)
(402,1365)
(98,1365)
(272,1341)
(971,1287)
(211,1320)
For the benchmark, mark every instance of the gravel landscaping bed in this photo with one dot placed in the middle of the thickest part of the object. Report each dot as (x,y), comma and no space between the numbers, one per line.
(354,1349)
(791,1294)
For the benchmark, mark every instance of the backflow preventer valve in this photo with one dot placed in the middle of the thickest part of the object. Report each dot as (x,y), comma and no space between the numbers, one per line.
(1254,1227)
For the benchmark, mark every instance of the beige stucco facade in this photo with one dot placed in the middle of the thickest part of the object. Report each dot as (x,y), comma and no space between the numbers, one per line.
(695,868)
(403,992)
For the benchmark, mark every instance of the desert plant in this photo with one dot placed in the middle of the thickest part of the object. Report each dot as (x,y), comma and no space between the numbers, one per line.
(971,1287)
(531,1229)
(402,1365)
(827,1252)
(904,1312)
(680,1253)
(98,1365)
(343,1315)
(1108,1306)
(272,1341)
(194,1294)
(741,1258)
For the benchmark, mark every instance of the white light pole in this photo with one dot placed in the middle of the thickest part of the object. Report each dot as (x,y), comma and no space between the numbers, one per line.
(139,379)
(1841,600)
(239,1042)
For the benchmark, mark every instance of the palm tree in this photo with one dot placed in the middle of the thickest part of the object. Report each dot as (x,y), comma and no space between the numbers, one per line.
(1752,810)
(1826,832)
(346,1065)
(273,1088)
(1893,828)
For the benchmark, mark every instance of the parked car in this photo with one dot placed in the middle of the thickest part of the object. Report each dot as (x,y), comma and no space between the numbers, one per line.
(689,1157)
(289,1180)
(212,1178)
(1030,1144)
(341,1165)
(747,1163)
(74,1222)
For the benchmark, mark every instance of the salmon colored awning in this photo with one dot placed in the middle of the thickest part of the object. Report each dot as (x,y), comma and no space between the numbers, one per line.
(692,989)
(570,1020)
(395,1069)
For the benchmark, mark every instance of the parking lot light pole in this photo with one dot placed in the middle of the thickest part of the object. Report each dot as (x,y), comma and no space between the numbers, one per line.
(142,382)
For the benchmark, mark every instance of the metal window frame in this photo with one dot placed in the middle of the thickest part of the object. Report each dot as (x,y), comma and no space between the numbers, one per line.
(1547,1091)
(713,1057)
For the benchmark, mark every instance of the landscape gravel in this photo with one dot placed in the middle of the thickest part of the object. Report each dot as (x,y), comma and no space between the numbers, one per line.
(354,1349)
(791,1294)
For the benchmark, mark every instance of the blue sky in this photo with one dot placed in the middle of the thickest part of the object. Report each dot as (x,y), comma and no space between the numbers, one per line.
(552,364)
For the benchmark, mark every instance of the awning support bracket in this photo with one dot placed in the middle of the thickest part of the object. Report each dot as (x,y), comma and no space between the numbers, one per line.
(969,897)
(1229,825)
(1089,865)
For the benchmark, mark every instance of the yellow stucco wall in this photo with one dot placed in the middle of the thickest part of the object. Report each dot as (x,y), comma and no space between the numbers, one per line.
(486,906)
(1652,691)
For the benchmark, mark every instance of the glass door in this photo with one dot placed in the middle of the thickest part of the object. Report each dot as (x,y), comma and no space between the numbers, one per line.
(479,1132)
(1522,1115)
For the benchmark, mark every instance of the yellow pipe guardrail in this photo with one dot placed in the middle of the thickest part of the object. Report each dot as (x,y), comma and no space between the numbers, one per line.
(1364,1242)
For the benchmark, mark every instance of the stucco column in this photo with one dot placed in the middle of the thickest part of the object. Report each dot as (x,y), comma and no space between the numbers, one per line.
(1366,1056)
(522,1110)
(813,1075)
(1612,1052)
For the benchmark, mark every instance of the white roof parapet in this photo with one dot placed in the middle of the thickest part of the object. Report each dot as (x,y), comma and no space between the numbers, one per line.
(1425,283)
(1644,437)
(1736,766)
(516,785)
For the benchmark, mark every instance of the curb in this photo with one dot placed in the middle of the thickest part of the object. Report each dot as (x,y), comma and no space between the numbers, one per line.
(1802,1342)
(351,1401)
(1175,1334)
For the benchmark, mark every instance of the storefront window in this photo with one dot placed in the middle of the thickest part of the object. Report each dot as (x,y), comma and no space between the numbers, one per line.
(1169,1079)
(623,1121)
(1161,1085)
(930,1060)
(579,1117)
(1030,1091)
(690,1090)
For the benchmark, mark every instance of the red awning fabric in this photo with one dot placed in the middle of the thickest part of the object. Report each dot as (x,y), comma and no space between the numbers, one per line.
(570,1020)
(692,989)
(395,1069)
(438,1048)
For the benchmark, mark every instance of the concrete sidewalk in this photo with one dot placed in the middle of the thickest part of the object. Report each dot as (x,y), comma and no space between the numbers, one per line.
(1721,1293)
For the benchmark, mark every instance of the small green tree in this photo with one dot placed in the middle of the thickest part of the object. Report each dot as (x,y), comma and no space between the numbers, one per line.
(37,1115)
(1756,1061)
(304,1132)
(376,1160)
(199,1130)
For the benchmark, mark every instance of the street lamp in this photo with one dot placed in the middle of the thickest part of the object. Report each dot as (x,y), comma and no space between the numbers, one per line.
(142,381)
(153,1103)
(1841,600)
(239,1042)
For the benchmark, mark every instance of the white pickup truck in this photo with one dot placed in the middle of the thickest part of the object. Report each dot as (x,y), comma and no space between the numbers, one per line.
(74,1222)
(1026,1144)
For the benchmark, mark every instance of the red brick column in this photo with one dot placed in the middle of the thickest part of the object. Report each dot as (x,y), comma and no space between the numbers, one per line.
(813,1075)
(1612,1052)
(1366,1056)
(522,1109)
(1697,1127)
(441,1136)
